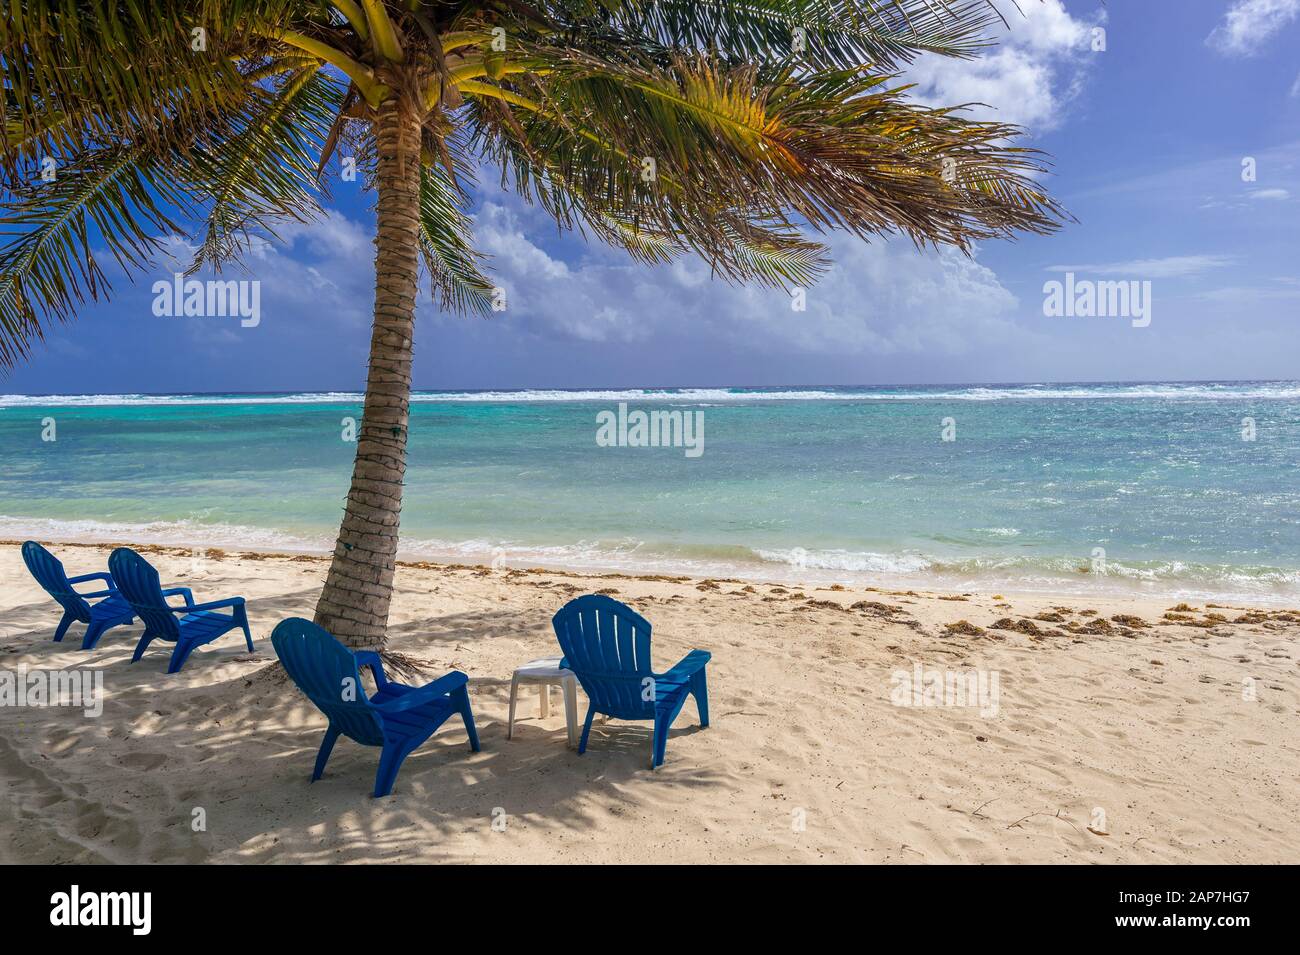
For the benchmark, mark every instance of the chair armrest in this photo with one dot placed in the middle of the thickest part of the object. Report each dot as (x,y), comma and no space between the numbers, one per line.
(214,604)
(98,593)
(687,666)
(429,693)
(185,592)
(369,658)
(86,578)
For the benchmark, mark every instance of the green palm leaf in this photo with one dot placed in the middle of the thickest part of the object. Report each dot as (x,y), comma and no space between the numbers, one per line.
(266,170)
(445,243)
(119,195)
(750,141)
(832,33)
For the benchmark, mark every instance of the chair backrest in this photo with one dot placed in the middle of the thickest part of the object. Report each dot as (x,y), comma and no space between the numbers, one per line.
(137,579)
(607,646)
(326,671)
(49,573)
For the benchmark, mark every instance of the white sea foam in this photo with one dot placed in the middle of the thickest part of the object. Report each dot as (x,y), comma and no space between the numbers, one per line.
(1231,391)
(107,401)
(170,533)
(1058,575)
(851,561)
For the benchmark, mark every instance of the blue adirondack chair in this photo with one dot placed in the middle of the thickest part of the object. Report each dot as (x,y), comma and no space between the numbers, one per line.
(398,717)
(98,617)
(189,627)
(607,646)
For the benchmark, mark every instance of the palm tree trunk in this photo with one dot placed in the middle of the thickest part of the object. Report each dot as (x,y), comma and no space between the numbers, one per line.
(354,604)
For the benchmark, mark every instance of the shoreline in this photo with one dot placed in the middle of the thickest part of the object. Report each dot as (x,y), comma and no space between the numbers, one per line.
(1104,588)
(506,572)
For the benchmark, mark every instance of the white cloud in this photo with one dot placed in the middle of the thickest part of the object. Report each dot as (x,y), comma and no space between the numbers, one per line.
(1295,87)
(1029,79)
(322,271)
(1239,295)
(1273,194)
(880,297)
(332,236)
(1249,24)
(1173,266)
(546,294)
(887,297)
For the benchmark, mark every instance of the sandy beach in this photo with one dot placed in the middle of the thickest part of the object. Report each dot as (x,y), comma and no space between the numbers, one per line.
(1117,734)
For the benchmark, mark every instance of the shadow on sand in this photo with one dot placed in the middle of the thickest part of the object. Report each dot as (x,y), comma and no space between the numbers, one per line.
(230,733)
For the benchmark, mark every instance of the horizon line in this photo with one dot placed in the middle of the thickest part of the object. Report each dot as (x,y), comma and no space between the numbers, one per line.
(629,388)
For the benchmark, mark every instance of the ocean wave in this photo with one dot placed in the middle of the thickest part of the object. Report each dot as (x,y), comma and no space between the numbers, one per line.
(1047,574)
(113,401)
(1252,391)
(852,561)
(1226,391)
(181,533)
(1154,571)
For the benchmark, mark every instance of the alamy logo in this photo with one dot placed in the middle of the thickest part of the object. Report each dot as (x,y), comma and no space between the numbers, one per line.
(75,908)
(1085,298)
(655,429)
(212,298)
(83,688)
(957,688)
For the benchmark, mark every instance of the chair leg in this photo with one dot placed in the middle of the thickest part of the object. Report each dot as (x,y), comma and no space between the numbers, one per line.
(586,730)
(94,630)
(700,690)
(326,747)
(64,624)
(241,617)
(660,740)
(570,688)
(390,761)
(544,699)
(140,647)
(462,707)
(510,723)
(182,653)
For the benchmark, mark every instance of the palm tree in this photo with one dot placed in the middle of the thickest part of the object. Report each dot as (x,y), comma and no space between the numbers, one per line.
(725,129)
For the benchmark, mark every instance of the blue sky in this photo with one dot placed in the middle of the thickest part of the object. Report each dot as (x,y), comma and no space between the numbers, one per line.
(1148,138)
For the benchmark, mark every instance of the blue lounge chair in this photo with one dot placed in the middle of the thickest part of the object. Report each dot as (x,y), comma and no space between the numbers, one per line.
(607,646)
(189,626)
(398,717)
(98,617)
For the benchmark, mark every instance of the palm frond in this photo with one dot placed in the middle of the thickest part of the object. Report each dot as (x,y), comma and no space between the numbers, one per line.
(446,245)
(267,170)
(119,70)
(644,244)
(825,34)
(730,145)
(119,196)
(661,126)
(775,256)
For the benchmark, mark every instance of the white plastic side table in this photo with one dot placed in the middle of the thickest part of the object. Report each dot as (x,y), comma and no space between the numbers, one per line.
(546,673)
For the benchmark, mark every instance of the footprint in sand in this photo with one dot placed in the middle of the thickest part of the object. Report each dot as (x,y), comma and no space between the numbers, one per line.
(144,762)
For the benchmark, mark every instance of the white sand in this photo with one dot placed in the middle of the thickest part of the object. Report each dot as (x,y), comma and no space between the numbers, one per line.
(1149,728)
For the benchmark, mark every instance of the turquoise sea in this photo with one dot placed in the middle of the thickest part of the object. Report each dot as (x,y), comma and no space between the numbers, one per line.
(1176,488)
